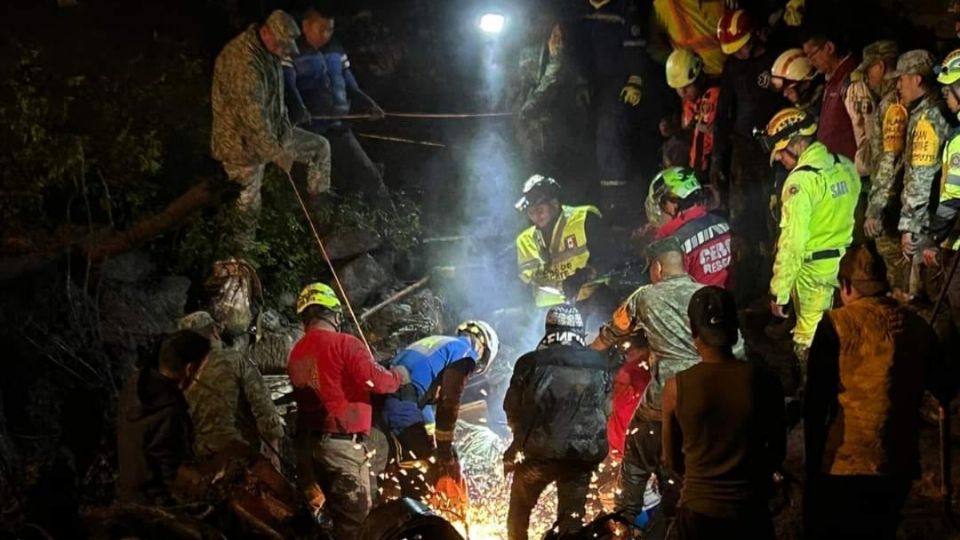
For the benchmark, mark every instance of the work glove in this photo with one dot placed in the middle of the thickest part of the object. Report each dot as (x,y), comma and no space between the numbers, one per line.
(573,284)
(376,112)
(630,95)
(448,464)
(794,13)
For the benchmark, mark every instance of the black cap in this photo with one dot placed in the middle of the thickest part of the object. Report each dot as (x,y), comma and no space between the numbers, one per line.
(713,317)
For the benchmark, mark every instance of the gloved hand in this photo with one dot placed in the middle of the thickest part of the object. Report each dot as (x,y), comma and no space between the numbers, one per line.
(285,162)
(527,110)
(630,94)
(572,285)
(376,112)
(873,227)
(794,13)
(403,372)
(448,463)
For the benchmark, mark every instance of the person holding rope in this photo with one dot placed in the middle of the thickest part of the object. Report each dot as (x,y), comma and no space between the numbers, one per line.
(333,376)
(250,124)
(319,83)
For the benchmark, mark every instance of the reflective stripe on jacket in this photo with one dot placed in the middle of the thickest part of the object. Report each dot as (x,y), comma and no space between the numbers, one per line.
(547,265)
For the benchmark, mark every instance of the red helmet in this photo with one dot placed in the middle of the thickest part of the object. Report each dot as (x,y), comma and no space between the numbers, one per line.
(734,30)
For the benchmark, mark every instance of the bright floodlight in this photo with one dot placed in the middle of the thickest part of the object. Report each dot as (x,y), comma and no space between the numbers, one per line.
(492,23)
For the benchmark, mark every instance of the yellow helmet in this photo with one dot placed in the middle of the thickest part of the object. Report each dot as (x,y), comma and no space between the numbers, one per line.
(948,72)
(318,294)
(784,125)
(683,67)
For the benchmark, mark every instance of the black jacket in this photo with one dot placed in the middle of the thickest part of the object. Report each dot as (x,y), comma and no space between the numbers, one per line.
(154,437)
(557,404)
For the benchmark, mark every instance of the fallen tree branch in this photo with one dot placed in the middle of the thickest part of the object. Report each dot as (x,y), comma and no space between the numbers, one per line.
(399,295)
(208,193)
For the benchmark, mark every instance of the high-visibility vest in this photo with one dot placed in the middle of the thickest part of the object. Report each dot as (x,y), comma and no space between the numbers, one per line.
(692,24)
(547,265)
(950,183)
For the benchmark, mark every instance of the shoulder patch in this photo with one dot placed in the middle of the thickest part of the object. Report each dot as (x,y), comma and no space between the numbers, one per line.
(954,161)
(926,144)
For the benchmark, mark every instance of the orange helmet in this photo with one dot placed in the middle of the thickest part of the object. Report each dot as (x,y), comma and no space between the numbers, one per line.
(734,30)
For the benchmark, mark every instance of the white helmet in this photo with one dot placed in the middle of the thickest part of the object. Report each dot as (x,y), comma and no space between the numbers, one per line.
(484,333)
(793,66)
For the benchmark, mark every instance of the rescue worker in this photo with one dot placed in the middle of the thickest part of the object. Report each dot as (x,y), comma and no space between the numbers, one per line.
(704,236)
(615,66)
(629,383)
(321,84)
(927,130)
(887,140)
(551,124)
(830,56)
(557,407)
(223,390)
(867,88)
(726,444)
(154,431)
(422,415)
(692,25)
(698,97)
(867,370)
(797,80)
(819,199)
(660,312)
(943,224)
(737,155)
(333,376)
(250,123)
(564,248)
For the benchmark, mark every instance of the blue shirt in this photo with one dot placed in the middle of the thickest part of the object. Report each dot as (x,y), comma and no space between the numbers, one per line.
(322,79)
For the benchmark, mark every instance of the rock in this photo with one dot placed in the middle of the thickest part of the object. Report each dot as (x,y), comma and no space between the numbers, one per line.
(133,314)
(130,267)
(400,324)
(361,278)
(349,243)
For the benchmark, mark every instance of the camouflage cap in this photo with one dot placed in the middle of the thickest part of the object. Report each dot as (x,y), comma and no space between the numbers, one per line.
(200,322)
(877,51)
(285,28)
(669,244)
(915,62)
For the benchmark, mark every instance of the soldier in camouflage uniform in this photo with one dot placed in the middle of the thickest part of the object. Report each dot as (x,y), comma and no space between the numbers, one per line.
(224,382)
(887,137)
(250,123)
(659,311)
(927,130)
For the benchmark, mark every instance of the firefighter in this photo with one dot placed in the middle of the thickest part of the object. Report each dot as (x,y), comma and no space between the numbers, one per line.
(422,414)
(794,77)
(557,252)
(699,99)
(819,198)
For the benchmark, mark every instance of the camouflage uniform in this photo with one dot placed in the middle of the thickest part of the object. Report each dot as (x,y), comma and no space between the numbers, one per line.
(225,380)
(886,146)
(250,123)
(926,132)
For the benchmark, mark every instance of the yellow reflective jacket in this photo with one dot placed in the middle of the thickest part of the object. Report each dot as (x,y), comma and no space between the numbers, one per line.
(819,198)
(943,224)
(547,265)
(692,24)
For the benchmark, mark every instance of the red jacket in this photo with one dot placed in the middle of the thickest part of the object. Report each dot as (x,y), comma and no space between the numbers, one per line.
(835,128)
(628,386)
(705,239)
(333,376)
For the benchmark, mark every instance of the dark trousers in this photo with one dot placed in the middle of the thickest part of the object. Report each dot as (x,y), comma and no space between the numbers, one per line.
(853,507)
(690,525)
(641,459)
(530,478)
(415,474)
(353,171)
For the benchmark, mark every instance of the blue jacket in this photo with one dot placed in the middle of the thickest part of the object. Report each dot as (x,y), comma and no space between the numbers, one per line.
(425,360)
(320,81)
